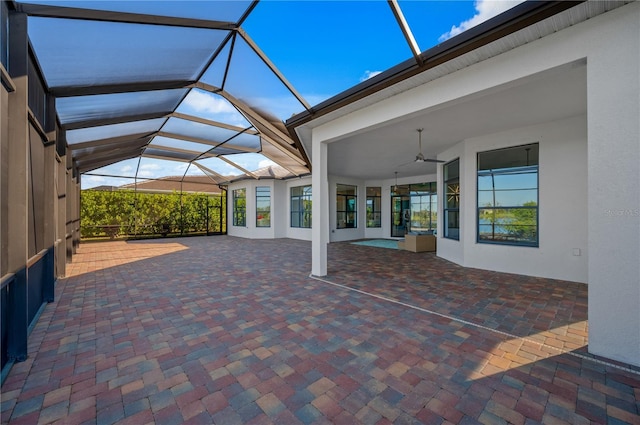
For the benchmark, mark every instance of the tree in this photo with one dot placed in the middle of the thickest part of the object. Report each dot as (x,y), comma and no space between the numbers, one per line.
(127,213)
(522,223)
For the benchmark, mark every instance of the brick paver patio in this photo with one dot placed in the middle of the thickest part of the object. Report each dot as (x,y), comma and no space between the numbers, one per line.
(228,331)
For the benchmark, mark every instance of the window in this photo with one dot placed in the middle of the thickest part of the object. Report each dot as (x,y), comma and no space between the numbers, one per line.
(263,206)
(239,207)
(451,209)
(374,207)
(414,208)
(424,207)
(346,201)
(301,206)
(508,196)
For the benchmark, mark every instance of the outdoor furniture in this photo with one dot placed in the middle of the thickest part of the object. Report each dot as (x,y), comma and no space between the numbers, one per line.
(418,243)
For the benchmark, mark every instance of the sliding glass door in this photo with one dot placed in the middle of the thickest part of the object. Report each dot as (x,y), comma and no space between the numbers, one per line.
(413,208)
(400,213)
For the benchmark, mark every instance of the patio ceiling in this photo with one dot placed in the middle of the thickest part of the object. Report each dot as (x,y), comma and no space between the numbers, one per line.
(167,81)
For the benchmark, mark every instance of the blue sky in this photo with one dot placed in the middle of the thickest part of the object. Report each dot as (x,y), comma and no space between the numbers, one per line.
(325,47)
(321,47)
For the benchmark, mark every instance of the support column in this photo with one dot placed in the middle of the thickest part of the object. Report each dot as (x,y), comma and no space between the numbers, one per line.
(69,209)
(18,149)
(76,212)
(50,173)
(614,199)
(17,187)
(49,196)
(61,216)
(50,219)
(320,209)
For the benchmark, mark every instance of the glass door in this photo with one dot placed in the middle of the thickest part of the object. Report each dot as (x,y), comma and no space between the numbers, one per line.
(400,215)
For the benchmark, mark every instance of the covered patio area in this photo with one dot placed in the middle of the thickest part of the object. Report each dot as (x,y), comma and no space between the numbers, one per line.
(229,330)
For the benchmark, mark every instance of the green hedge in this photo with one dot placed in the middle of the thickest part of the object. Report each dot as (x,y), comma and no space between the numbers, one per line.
(126,213)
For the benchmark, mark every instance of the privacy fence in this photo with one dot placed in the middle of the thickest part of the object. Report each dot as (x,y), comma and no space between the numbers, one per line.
(22,296)
(130,214)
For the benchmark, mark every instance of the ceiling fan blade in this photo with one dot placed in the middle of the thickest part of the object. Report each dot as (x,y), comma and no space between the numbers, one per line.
(433,160)
(405,164)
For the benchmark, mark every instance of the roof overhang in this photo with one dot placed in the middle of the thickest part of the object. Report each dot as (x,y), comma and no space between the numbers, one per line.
(524,24)
(515,19)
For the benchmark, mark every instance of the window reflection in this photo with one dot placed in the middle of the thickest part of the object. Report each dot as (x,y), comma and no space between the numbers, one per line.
(508,196)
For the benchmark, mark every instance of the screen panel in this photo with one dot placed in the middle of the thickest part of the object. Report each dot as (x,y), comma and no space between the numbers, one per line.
(230,11)
(113,130)
(103,53)
(203,104)
(106,106)
(161,141)
(252,81)
(198,130)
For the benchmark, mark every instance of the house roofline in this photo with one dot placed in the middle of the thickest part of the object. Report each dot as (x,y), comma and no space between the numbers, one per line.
(512,20)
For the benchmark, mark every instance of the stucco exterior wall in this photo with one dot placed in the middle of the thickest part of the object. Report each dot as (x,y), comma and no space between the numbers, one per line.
(362,231)
(250,230)
(280,210)
(562,252)
(296,232)
(609,45)
(613,90)
(346,234)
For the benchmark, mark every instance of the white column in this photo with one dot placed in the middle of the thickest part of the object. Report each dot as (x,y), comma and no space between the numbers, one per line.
(320,209)
(613,81)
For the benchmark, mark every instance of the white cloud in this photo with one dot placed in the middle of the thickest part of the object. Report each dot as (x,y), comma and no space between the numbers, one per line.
(485,10)
(146,174)
(232,171)
(265,163)
(149,166)
(89,181)
(126,169)
(242,164)
(179,168)
(149,170)
(204,102)
(210,106)
(369,74)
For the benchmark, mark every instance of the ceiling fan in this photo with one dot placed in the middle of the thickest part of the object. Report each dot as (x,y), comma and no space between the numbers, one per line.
(420,156)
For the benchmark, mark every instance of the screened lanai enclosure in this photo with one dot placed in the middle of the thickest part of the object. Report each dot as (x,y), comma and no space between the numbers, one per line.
(160,90)
(143,112)
(179,91)
(130,118)
(158,105)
